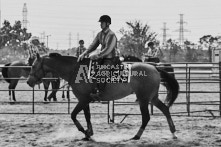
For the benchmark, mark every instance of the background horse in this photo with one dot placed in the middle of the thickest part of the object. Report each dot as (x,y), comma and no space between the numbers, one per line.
(145,86)
(13,74)
(55,83)
(164,66)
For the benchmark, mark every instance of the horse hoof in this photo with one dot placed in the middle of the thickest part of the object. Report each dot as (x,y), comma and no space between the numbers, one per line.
(135,138)
(86,139)
(89,133)
(174,136)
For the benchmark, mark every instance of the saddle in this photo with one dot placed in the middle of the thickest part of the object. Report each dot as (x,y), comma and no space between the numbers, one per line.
(117,73)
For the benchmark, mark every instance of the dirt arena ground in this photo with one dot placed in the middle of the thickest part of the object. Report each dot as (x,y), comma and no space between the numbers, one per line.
(59,131)
(43,130)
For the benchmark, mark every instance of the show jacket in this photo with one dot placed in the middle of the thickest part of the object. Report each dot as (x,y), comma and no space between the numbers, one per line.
(108,41)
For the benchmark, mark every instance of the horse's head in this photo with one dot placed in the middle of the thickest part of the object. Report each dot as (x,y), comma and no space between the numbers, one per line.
(37,71)
(31,60)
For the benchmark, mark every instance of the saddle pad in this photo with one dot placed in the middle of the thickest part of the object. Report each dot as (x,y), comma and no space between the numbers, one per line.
(119,73)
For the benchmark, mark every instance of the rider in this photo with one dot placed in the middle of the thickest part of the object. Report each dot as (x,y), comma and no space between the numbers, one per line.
(80,49)
(153,53)
(34,44)
(108,41)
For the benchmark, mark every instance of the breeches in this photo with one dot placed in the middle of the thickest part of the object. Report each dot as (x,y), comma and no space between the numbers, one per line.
(104,72)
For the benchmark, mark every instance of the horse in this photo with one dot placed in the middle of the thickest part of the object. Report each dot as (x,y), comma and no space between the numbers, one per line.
(145,85)
(13,74)
(164,66)
(55,83)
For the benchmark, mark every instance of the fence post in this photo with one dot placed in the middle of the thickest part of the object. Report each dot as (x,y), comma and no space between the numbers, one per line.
(219,83)
(69,101)
(33,100)
(188,89)
(113,112)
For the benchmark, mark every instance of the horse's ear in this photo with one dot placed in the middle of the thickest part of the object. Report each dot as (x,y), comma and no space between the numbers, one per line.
(38,56)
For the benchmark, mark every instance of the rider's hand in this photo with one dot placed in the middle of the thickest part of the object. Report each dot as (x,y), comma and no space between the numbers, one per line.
(94,57)
(81,57)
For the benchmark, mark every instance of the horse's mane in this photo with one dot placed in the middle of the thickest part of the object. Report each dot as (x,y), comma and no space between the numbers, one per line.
(67,59)
(54,55)
(131,58)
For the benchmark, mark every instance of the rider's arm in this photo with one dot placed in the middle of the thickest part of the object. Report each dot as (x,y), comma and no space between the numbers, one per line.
(156,52)
(93,46)
(110,44)
(149,53)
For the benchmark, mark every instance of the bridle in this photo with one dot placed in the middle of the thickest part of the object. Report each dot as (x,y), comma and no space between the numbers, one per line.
(37,77)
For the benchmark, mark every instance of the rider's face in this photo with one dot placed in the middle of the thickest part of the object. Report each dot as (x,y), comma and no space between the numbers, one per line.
(103,25)
(151,47)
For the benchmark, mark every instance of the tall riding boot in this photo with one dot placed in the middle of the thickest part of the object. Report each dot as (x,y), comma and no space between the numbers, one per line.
(98,91)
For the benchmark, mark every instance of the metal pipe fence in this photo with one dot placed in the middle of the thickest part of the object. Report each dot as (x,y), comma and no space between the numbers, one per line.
(187,74)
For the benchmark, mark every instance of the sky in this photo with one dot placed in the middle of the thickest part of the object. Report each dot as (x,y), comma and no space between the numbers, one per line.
(60,18)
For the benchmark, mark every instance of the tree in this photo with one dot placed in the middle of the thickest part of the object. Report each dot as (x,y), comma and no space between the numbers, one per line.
(134,40)
(209,42)
(13,35)
(173,48)
(191,53)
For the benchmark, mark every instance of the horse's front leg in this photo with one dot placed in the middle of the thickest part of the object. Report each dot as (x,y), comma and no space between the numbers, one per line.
(46,86)
(80,106)
(89,132)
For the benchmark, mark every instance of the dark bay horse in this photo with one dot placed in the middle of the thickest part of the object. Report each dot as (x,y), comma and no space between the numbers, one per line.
(145,86)
(164,66)
(13,74)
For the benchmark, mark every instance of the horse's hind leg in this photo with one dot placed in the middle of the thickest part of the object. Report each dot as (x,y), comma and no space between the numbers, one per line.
(80,106)
(11,88)
(89,132)
(163,108)
(145,119)
(55,86)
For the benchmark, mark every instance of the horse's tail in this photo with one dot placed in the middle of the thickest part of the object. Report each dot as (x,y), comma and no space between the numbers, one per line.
(172,86)
(5,72)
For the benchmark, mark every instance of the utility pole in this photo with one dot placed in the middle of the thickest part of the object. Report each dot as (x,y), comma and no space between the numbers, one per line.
(47,39)
(164,33)
(0,15)
(181,31)
(25,12)
(42,38)
(77,38)
(70,38)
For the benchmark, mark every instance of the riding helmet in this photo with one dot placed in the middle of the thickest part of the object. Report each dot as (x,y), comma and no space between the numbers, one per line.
(81,42)
(105,18)
(150,44)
